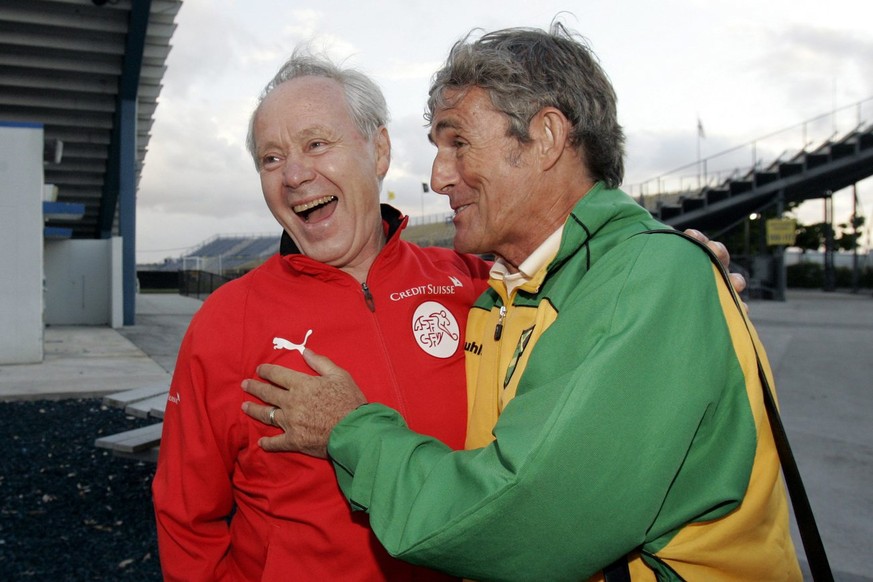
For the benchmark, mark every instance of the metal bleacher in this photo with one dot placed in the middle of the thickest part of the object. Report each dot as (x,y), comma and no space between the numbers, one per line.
(218,246)
(223,253)
(251,252)
(831,166)
(818,167)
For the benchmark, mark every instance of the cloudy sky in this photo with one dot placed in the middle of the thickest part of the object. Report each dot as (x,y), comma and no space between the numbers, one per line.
(745,69)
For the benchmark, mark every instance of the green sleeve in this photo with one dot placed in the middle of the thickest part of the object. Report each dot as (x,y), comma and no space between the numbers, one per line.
(607,446)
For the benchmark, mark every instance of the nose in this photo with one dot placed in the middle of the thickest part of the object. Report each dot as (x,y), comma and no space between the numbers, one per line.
(297,171)
(443,174)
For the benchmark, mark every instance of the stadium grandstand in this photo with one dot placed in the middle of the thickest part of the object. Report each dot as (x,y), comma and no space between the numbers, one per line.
(236,254)
(226,256)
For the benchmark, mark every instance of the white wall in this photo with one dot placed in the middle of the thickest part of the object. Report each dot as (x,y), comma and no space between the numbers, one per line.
(21,244)
(83,282)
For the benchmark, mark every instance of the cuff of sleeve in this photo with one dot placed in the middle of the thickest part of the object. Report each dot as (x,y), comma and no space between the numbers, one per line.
(353,448)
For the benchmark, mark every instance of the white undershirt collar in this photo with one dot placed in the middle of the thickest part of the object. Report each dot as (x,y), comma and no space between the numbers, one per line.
(530,266)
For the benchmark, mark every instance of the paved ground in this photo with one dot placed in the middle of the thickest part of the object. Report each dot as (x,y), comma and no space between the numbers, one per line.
(821,348)
(819,345)
(90,360)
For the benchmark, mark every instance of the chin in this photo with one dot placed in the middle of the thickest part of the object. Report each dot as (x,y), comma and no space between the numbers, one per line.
(463,246)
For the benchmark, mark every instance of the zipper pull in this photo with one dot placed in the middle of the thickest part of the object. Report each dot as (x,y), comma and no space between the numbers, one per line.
(498,331)
(368,297)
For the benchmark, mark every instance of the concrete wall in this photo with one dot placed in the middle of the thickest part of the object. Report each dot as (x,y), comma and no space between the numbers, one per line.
(21,243)
(83,282)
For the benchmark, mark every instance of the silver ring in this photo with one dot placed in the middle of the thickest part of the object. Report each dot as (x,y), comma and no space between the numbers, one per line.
(273,416)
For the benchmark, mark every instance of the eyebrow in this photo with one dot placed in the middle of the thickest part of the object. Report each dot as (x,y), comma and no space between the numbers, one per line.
(315,131)
(441,126)
(305,134)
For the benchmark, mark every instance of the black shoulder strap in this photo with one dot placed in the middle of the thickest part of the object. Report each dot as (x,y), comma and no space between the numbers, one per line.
(809,535)
(618,571)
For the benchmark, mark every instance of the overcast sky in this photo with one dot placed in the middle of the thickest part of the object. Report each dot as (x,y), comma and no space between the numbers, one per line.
(745,69)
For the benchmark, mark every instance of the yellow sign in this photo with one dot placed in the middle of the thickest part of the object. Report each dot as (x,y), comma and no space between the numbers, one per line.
(781,231)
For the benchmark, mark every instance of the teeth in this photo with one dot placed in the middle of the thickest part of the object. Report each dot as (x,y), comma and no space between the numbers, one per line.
(301,208)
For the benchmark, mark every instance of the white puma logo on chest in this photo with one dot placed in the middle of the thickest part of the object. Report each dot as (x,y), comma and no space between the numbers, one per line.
(280,343)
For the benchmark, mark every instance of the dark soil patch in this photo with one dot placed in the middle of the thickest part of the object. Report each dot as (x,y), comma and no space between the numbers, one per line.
(70,511)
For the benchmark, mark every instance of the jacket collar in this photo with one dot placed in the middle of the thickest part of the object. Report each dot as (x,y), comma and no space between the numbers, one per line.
(602,212)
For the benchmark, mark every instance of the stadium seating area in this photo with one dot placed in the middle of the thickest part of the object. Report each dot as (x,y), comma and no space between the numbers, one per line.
(234,255)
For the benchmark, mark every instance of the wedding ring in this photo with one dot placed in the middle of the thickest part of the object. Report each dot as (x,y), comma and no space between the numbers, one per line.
(273,416)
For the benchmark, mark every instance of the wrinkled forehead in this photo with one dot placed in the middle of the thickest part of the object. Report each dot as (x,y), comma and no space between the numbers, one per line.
(302,103)
(461,109)
(307,95)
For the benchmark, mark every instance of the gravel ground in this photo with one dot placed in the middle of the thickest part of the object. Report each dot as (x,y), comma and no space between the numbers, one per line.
(70,511)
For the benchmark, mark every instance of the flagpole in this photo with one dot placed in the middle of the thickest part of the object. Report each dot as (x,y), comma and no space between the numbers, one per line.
(424,190)
(698,155)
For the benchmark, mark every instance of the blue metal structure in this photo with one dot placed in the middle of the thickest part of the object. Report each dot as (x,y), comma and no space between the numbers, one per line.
(88,71)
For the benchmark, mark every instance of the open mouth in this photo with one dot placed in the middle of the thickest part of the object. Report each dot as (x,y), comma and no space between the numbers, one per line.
(460,209)
(309,210)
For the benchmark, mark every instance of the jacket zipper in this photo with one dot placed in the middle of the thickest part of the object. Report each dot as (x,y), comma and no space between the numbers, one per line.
(380,338)
(368,297)
(498,330)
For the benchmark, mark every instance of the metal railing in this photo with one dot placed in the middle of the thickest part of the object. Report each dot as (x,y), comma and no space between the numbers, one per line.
(200,284)
(439,218)
(742,159)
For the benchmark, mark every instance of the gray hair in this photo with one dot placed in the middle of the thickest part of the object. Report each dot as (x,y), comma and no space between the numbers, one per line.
(526,69)
(364,98)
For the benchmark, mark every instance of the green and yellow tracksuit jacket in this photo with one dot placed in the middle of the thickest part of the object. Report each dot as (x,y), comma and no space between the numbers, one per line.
(617,411)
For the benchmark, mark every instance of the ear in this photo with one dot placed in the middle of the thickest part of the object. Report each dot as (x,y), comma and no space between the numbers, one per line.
(551,130)
(383,152)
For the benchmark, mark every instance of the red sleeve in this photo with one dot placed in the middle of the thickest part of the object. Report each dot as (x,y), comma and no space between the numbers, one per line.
(192,487)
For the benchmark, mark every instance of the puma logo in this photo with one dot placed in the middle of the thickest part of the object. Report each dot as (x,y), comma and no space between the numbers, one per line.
(280,343)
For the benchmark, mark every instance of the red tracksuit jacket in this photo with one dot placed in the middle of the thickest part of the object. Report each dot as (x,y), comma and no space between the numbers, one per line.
(225,509)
